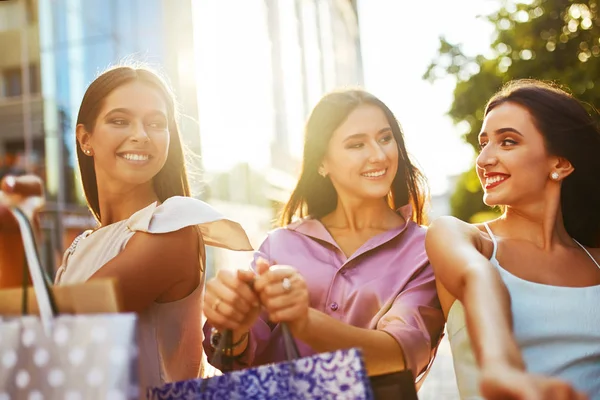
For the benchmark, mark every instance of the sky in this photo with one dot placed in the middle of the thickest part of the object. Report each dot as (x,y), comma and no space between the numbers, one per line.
(399,39)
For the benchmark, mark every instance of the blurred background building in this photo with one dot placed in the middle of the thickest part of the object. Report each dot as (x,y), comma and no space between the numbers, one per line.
(260,71)
(255,82)
(247,73)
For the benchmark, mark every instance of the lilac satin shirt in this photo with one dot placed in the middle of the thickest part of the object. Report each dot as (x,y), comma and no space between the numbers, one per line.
(387,284)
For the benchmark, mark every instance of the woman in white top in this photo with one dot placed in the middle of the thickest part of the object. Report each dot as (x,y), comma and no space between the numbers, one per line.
(520,293)
(151,234)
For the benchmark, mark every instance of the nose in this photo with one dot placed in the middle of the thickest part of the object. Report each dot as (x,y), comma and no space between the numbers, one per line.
(139,134)
(377,154)
(486,158)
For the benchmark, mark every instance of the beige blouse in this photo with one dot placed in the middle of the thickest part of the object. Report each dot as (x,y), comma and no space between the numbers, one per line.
(170,334)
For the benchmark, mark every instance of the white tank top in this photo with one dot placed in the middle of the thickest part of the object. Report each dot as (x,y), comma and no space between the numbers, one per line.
(557,329)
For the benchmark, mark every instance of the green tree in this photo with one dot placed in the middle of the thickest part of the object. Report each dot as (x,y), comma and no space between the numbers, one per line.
(552,40)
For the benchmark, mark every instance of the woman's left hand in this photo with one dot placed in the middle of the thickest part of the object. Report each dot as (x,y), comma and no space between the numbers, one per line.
(283,294)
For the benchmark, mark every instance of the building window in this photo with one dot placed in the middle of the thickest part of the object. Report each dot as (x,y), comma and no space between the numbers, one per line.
(13,84)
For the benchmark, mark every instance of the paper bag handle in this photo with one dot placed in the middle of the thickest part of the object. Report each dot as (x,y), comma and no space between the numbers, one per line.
(41,284)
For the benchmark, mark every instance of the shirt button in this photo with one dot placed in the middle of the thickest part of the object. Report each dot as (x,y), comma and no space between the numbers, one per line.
(334,306)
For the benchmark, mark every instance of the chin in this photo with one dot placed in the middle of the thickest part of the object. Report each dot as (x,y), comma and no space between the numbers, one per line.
(136,180)
(373,194)
(492,201)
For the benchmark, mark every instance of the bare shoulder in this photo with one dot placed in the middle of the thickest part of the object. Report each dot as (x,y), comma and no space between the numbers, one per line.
(181,249)
(450,227)
(595,252)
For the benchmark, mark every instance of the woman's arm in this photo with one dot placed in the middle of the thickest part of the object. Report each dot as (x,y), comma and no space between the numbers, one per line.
(454,250)
(403,336)
(155,268)
(381,351)
(231,303)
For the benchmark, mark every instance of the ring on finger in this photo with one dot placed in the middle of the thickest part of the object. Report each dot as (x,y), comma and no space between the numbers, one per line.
(286,283)
(215,306)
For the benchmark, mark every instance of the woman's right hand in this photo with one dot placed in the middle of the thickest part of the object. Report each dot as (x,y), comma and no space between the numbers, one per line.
(230,302)
(504,383)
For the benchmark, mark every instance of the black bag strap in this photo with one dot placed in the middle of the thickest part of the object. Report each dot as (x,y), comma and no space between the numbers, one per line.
(25,288)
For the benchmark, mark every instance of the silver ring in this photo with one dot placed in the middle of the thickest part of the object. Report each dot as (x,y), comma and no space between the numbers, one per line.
(216,305)
(286,284)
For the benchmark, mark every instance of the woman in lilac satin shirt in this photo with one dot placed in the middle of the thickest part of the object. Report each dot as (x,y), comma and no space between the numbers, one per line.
(348,267)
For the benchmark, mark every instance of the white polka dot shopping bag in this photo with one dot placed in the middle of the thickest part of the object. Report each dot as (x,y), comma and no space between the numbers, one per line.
(66,356)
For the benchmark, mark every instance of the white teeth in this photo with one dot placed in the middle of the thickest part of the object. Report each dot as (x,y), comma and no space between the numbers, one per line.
(135,157)
(374,174)
(494,179)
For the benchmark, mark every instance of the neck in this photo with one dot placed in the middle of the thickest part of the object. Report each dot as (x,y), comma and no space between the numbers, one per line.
(540,223)
(356,215)
(118,203)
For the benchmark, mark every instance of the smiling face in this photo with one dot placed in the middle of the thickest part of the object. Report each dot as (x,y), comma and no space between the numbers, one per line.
(514,166)
(362,155)
(129,142)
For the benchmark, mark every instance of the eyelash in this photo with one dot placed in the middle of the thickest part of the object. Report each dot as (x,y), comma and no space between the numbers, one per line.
(385,140)
(119,122)
(504,142)
(123,122)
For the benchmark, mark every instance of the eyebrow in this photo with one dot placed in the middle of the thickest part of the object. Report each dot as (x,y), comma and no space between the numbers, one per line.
(130,113)
(501,131)
(361,135)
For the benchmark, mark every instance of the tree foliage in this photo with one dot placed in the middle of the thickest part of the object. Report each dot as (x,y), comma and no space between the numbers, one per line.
(552,40)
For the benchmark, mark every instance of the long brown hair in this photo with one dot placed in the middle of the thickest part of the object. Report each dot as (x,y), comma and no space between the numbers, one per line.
(570,132)
(315,196)
(172,179)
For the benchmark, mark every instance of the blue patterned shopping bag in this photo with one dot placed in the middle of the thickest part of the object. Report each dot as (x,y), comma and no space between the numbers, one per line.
(339,375)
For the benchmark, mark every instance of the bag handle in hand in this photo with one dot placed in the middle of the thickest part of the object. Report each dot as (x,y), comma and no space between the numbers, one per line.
(291,350)
(40,280)
(224,357)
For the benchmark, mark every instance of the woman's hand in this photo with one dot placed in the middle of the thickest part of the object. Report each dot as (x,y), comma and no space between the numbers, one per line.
(506,383)
(230,302)
(26,192)
(284,295)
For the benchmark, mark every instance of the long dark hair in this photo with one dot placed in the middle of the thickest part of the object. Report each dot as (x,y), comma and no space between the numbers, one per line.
(315,196)
(569,132)
(172,179)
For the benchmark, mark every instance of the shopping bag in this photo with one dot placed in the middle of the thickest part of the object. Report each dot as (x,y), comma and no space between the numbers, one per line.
(334,375)
(97,296)
(54,356)
(396,385)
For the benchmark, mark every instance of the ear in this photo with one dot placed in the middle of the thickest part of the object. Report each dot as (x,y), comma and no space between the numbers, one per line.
(563,167)
(323,170)
(83,139)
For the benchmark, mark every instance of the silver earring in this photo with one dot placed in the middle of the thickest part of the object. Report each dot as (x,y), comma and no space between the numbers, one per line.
(554,175)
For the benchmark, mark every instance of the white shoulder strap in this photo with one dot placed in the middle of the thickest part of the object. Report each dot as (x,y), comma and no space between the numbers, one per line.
(588,253)
(489,231)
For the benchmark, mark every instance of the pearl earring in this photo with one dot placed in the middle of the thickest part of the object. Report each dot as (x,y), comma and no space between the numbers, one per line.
(554,175)
(88,152)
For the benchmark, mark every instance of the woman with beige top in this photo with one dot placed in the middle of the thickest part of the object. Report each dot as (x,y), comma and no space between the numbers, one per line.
(151,233)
